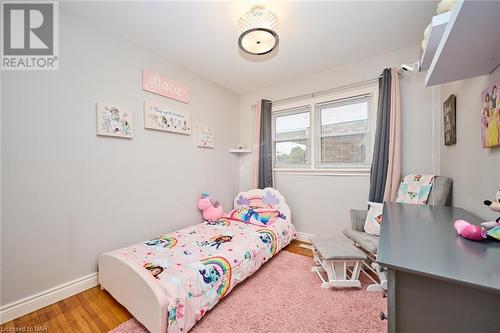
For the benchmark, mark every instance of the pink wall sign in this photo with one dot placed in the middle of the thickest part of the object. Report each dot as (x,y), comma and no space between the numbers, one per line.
(160,85)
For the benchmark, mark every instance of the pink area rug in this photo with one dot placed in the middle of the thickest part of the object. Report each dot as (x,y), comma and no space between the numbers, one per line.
(285,296)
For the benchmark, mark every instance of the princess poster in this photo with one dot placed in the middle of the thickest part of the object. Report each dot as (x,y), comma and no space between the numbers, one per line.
(490,117)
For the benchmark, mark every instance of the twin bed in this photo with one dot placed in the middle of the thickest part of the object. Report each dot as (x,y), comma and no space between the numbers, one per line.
(168,283)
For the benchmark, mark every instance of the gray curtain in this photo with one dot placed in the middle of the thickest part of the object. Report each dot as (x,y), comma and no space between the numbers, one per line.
(265,151)
(380,160)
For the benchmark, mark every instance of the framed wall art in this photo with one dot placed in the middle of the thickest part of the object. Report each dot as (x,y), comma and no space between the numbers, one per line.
(206,136)
(450,121)
(490,116)
(113,120)
(159,116)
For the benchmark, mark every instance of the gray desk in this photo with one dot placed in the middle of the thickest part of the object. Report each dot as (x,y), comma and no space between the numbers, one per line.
(438,281)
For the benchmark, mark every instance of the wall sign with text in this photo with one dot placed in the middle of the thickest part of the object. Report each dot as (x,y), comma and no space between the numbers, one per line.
(161,117)
(206,136)
(160,85)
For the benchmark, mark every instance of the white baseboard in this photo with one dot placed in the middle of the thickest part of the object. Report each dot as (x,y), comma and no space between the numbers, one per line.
(35,302)
(303,237)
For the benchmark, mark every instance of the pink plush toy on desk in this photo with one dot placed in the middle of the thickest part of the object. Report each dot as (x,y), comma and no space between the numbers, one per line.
(212,210)
(469,231)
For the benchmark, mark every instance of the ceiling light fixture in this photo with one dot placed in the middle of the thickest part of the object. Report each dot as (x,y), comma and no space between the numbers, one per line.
(258,31)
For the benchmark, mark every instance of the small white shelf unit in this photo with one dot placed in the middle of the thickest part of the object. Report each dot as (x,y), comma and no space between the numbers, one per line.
(438,25)
(470,45)
(240,151)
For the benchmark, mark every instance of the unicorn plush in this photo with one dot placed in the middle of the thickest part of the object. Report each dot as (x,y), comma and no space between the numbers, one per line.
(212,210)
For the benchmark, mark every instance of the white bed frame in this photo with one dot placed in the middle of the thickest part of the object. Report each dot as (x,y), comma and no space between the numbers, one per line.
(145,300)
(282,206)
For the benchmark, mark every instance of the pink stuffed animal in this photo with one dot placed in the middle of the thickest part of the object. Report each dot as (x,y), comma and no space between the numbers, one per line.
(469,231)
(212,210)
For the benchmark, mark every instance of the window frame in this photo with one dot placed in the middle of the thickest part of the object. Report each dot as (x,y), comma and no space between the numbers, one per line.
(289,112)
(317,132)
(314,167)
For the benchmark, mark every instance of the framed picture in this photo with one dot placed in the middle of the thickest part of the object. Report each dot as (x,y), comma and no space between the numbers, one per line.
(112,120)
(160,117)
(205,136)
(490,116)
(450,121)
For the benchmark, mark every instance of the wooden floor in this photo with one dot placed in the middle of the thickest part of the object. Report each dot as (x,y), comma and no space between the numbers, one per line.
(91,311)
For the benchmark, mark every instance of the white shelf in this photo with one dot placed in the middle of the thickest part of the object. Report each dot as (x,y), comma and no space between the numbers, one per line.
(469,46)
(438,26)
(240,151)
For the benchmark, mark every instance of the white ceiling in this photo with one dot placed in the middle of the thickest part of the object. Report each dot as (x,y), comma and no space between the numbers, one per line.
(314,36)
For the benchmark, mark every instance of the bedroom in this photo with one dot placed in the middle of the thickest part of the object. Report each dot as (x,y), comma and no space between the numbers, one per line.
(120,119)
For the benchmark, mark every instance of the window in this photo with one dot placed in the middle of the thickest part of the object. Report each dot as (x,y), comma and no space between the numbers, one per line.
(343,134)
(328,133)
(291,133)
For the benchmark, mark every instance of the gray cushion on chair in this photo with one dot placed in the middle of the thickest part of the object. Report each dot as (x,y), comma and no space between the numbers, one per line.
(441,191)
(440,196)
(358,218)
(336,248)
(366,241)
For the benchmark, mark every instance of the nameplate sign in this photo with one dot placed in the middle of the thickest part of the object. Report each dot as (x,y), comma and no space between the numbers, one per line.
(160,85)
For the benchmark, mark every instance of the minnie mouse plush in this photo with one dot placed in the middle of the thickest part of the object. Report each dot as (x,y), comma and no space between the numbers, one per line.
(494,206)
(489,229)
(493,227)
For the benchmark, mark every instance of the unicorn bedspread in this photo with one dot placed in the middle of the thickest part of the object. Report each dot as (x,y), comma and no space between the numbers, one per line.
(199,265)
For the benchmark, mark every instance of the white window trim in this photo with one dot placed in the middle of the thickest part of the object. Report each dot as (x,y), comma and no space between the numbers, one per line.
(317,126)
(291,111)
(312,168)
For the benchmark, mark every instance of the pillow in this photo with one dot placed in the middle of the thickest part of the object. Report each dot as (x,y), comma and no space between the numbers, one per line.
(373,218)
(254,215)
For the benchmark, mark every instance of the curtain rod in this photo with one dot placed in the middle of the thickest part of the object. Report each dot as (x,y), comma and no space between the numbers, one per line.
(415,67)
(322,92)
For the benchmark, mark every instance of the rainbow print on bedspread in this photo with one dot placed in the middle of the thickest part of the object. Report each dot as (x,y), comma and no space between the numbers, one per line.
(171,241)
(199,265)
(269,238)
(225,271)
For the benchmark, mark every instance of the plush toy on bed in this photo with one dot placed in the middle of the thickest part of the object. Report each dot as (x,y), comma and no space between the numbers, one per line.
(212,210)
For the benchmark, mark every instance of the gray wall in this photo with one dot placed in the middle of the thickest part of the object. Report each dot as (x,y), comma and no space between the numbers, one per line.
(320,203)
(69,195)
(475,170)
(420,154)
